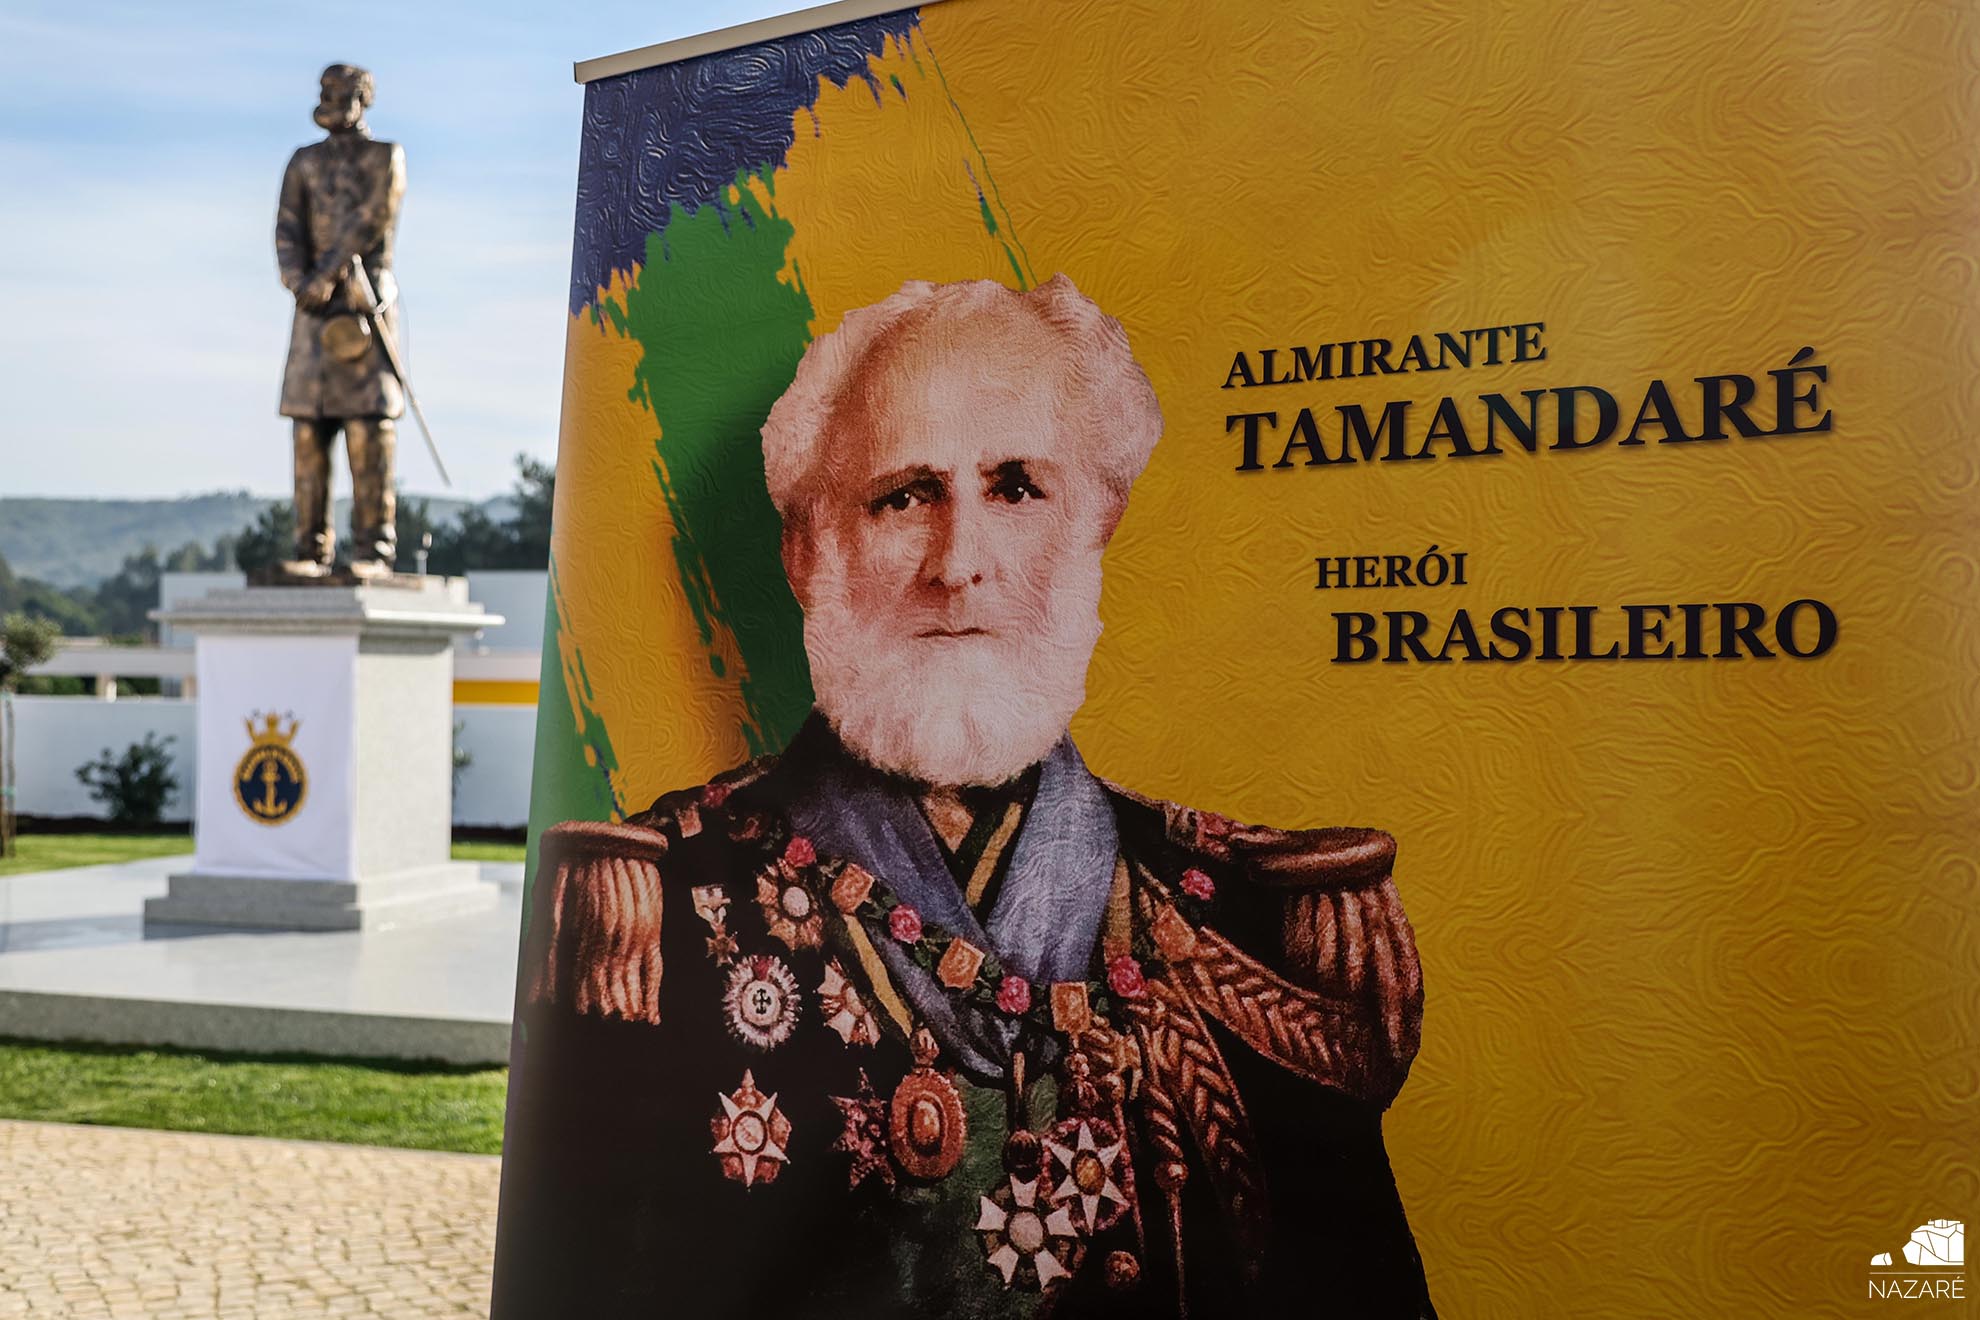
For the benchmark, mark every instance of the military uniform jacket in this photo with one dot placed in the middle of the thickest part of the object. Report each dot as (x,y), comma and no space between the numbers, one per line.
(340,198)
(753,1079)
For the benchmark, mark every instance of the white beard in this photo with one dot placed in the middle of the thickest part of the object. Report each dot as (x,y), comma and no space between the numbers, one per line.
(950,712)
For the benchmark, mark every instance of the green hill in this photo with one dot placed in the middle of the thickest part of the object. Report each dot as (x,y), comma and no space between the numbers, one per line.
(80,542)
(74,543)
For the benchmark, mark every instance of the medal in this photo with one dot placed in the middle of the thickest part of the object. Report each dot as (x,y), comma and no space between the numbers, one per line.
(959,964)
(711,904)
(751,1134)
(851,888)
(1029,1241)
(1072,1008)
(1173,935)
(760,1002)
(688,820)
(925,1124)
(788,908)
(844,1009)
(1087,1172)
(865,1137)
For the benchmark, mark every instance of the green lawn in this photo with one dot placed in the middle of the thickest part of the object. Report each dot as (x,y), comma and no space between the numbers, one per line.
(363,1102)
(51,852)
(488,852)
(366,1102)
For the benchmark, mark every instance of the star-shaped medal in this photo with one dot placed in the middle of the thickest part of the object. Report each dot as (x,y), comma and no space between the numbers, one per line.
(844,1009)
(865,1136)
(760,1002)
(1030,1242)
(789,909)
(1088,1172)
(751,1134)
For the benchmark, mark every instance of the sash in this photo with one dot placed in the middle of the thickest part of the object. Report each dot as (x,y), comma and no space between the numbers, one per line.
(1046,922)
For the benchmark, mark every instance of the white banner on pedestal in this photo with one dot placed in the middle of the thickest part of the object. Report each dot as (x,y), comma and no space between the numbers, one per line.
(277,744)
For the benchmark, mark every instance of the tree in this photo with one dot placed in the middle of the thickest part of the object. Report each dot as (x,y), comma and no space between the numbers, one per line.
(268,540)
(413,523)
(477,540)
(125,599)
(25,641)
(194,558)
(73,612)
(536,493)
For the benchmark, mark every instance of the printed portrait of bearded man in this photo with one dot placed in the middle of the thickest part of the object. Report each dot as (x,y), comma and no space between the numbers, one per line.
(921,1017)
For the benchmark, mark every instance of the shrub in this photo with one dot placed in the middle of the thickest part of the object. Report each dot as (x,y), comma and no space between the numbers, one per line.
(135,786)
(463,758)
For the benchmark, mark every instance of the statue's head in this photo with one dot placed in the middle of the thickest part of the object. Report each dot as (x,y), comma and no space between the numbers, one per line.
(949,464)
(346,91)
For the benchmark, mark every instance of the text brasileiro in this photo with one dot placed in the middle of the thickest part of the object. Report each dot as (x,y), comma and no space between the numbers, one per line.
(1561,418)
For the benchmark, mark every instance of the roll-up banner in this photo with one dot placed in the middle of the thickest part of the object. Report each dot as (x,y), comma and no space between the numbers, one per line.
(1262,660)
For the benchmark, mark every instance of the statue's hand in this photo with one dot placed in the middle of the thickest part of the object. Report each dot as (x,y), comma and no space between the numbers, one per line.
(316,295)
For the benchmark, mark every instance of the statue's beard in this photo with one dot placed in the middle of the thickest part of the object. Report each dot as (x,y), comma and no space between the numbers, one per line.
(336,118)
(950,711)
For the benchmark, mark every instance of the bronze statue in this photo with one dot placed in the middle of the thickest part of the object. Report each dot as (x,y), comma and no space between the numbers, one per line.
(333,242)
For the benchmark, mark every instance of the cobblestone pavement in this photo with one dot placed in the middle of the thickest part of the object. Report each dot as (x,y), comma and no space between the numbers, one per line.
(103,1222)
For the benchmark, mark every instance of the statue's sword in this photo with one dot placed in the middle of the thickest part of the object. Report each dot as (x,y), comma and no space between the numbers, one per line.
(375,313)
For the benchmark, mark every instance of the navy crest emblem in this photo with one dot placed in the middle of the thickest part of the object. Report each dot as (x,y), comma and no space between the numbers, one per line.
(270,783)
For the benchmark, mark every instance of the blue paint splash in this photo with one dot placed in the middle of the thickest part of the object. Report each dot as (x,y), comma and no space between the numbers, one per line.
(677,136)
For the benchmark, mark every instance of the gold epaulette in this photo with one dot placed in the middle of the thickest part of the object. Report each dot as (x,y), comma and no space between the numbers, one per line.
(680,811)
(1337,858)
(596,937)
(1345,937)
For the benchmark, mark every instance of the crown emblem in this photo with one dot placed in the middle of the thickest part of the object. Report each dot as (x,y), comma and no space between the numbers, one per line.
(270,782)
(270,732)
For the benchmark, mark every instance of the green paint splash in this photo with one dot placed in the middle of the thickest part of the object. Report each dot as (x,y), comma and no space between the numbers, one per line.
(1014,253)
(569,784)
(722,332)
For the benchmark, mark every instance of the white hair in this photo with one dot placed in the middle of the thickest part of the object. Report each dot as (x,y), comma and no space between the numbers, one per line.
(1120,419)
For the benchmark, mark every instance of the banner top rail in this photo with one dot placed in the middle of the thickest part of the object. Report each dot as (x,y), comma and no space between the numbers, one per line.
(741,34)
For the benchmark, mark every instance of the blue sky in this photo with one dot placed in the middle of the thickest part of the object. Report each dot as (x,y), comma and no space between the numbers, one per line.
(141,149)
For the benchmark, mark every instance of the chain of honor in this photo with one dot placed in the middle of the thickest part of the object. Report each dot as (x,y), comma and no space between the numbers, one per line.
(1060,1187)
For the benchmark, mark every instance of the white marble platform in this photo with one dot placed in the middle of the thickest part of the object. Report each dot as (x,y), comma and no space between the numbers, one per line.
(77,963)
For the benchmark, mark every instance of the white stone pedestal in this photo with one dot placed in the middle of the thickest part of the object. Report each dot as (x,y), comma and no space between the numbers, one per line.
(324,782)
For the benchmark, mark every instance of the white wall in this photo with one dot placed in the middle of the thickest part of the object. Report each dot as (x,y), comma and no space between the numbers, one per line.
(54,735)
(517,595)
(57,734)
(495,786)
